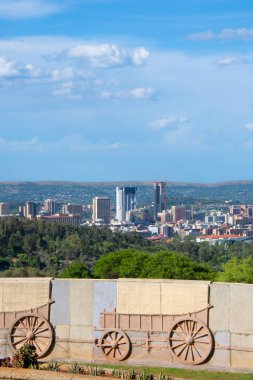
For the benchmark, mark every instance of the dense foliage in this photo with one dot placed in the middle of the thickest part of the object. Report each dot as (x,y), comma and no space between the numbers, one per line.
(39,248)
(215,255)
(34,248)
(164,264)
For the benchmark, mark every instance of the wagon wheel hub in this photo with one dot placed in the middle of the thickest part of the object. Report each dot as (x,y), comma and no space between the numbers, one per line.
(189,340)
(114,344)
(30,335)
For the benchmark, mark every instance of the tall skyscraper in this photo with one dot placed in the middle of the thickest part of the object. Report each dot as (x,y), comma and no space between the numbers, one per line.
(50,206)
(159,197)
(30,210)
(101,209)
(125,201)
(4,209)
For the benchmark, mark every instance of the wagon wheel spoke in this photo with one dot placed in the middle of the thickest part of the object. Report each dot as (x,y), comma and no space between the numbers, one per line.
(122,343)
(182,350)
(37,332)
(200,346)
(198,330)
(40,324)
(196,350)
(22,323)
(19,335)
(37,346)
(179,345)
(177,339)
(187,351)
(19,341)
(200,336)
(192,355)
(34,322)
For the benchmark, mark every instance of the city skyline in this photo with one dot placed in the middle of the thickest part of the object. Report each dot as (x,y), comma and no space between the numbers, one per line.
(106,90)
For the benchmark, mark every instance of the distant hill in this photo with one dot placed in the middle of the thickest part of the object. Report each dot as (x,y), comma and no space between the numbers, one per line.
(83,192)
(125,183)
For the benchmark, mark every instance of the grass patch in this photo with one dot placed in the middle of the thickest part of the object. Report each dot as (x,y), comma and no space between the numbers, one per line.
(184,374)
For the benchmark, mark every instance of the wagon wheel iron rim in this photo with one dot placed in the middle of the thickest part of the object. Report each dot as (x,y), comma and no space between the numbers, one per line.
(115,345)
(191,341)
(32,329)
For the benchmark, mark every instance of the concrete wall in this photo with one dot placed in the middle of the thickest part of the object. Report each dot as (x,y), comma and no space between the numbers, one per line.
(231,321)
(75,316)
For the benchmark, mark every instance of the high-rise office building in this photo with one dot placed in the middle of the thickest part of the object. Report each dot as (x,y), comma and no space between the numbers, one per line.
(4,209)
(125,201)
(159,198)
(30,210)
(50,206)
(72,209)
(101,209)
(178,213)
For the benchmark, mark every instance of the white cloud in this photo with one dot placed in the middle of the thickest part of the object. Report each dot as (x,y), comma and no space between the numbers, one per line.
(73,142)
(19,144)
(134,93)
(171,123)
(109,55)
(202,36)
(140,55)
(65,89)
(32,71)
(227,61)
(27,8)
(8,68)
(249,126)
(245,34)
(106,94)
(69,73)
(142,92)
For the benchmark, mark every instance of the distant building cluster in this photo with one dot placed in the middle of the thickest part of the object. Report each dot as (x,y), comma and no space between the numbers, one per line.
(155,221)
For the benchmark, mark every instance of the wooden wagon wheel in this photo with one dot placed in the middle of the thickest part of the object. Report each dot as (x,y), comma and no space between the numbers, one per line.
(190,340)
(115,345)
(34,330)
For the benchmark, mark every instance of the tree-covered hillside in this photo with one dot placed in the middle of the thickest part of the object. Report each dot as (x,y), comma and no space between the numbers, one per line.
(39,248)
(48,248)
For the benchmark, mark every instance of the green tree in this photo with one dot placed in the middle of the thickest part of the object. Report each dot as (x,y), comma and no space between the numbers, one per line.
(173,265)
(76,269)
(164,264)
(237,270)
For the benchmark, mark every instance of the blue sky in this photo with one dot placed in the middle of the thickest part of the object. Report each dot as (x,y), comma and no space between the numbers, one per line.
(101,90)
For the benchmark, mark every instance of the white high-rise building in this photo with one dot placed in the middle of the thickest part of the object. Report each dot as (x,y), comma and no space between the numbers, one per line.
(50,206)
(30,210)
(101,209)
(125,201)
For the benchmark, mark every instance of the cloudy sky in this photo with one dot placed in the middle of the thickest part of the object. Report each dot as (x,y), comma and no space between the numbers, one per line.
(101,90)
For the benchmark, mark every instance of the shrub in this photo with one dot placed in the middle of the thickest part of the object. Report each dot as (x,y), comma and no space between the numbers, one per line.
(5,362)
(25,357)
